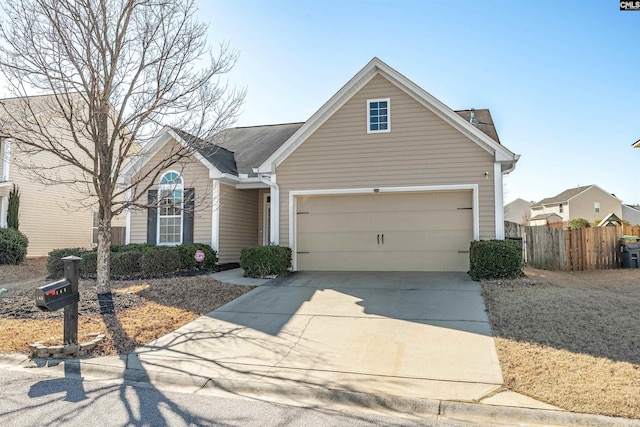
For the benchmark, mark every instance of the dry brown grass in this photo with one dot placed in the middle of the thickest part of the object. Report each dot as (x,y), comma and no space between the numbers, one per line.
(570,339)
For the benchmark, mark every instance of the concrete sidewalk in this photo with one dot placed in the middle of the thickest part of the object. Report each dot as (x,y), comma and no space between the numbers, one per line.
(417,343)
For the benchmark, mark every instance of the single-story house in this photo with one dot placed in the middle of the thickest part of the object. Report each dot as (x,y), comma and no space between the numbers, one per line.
(382,177)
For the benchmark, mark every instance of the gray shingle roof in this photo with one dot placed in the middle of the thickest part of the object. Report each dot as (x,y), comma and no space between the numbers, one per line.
(562,197)
(253,145)
(544,216)
(221,158)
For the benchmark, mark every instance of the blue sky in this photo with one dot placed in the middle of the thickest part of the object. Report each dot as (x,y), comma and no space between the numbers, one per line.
(561,78)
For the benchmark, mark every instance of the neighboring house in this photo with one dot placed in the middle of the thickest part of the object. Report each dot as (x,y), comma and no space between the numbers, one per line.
(631,214)
(382,177)
(550,219)
(51,216)
(518,211)
(589,202)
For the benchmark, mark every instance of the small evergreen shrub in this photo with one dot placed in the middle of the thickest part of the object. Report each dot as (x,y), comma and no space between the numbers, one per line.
(55,266)
(579,223)
(161,261)
(89,264)
(495,259)
(125,263)
(188,251)
(13,208)
(13,246)
(262,261)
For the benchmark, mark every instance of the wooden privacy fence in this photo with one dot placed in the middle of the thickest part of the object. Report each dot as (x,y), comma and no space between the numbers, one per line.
(545,248)
(594,248)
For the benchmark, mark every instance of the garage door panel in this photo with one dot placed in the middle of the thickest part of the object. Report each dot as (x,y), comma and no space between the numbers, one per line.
(379,261)
(422,231)
(385,202)
(329,241)
(446,240)
(376,221)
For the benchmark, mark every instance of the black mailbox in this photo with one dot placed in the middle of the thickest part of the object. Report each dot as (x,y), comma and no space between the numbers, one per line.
(56,295)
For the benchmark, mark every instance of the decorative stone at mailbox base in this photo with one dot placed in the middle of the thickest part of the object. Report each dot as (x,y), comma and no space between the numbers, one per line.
(42,351)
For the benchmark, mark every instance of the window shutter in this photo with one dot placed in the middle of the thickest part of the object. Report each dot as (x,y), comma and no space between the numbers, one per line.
(187,229)
(152,218)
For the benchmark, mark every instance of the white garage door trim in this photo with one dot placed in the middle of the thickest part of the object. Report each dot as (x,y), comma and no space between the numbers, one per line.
(341,191)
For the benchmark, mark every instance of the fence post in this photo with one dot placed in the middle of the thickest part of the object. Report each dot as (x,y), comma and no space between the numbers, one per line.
(71,273)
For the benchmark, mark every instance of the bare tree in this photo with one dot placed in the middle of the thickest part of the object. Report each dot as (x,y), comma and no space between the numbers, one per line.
(113,72)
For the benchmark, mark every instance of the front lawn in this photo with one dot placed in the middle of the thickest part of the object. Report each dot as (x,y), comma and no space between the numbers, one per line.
(570,339)
(138,312)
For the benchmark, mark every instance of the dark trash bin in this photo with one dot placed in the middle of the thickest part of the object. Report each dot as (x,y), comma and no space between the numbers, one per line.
(630,251)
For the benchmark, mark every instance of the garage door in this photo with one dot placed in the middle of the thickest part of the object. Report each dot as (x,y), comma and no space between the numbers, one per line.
(427,231)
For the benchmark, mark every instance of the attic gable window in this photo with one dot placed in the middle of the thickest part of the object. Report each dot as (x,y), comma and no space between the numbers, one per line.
(378,115)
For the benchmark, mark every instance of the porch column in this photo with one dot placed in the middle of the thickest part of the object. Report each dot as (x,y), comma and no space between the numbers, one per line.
(275,211)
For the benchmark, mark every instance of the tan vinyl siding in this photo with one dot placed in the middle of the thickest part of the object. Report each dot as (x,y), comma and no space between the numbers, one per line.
(238,222)
(420,150)
(195,175)
(49,216)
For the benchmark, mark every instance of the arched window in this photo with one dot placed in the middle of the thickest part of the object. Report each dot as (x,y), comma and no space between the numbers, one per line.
(170,209)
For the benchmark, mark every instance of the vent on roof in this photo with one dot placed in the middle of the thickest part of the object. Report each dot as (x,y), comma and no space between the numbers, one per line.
(473,117)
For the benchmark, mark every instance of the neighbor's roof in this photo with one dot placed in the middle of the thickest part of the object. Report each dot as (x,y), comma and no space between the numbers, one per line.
(562,197)
(544,216)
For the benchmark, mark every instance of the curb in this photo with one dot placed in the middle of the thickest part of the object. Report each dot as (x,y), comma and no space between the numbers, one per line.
(447,410)
(440,409)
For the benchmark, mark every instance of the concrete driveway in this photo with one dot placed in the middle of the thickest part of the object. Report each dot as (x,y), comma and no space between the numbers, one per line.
(414,335)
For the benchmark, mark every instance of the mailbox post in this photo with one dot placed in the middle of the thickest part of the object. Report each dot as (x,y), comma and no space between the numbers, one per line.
(71,273)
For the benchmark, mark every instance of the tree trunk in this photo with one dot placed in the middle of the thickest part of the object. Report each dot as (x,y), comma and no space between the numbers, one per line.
(103,282)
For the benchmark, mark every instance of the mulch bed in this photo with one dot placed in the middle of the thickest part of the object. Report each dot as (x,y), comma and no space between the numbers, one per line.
(133,314)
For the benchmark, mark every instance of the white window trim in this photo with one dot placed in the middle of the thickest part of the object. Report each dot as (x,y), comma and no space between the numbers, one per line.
(334,192)
(4,157)
(174,187)
(4,202)
(127,218)
(388,129)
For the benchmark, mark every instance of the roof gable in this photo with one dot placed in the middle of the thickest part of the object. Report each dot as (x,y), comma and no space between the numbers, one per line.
(377,67)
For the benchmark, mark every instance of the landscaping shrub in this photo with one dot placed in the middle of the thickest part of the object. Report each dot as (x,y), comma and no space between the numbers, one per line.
(125,263)
(13,246)
(188,251)
(89,264)
(495,259)
(55,266)
(579,223)
(134,247)
(261,261)
(161,261)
